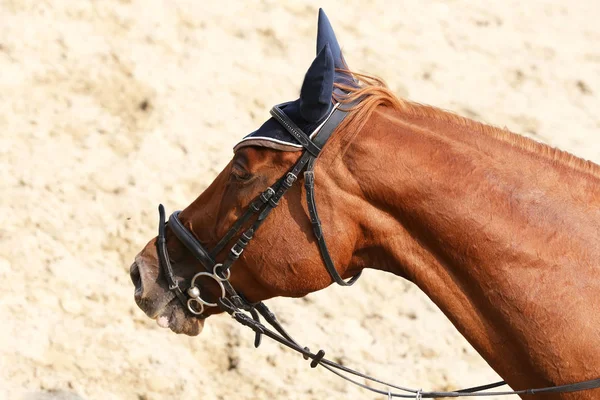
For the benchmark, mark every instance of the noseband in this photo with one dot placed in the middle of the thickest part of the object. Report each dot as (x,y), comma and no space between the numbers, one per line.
(238,307)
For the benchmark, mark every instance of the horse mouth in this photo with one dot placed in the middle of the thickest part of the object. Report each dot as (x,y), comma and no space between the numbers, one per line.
(162,305)
(174,317)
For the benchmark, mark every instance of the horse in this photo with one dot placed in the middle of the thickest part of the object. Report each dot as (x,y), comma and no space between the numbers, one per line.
(500,231)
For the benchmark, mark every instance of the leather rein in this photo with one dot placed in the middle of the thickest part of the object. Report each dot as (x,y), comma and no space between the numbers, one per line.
(248,314)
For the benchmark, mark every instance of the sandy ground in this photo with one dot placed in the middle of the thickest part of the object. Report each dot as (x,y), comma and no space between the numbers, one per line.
(109,107)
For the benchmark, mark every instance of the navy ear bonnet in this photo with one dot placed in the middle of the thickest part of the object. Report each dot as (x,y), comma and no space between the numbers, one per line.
(272,135)
(314,106)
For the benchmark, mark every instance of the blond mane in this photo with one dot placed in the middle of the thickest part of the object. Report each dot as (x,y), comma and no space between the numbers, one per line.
(374,92)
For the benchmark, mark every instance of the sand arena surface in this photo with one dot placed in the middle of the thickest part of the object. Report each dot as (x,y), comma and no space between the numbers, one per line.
(109,107)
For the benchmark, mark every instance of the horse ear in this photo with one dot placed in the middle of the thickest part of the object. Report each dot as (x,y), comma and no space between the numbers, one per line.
(315,95)
(325,35)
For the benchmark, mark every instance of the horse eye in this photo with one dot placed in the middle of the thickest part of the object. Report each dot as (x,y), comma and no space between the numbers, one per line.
(240,173)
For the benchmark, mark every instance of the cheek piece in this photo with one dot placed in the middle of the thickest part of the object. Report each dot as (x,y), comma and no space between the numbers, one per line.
(247,313)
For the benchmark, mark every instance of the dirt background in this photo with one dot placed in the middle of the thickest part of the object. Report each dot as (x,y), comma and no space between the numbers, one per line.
(109,107)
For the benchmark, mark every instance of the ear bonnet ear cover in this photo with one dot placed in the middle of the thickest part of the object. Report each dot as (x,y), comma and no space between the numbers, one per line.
(314,104)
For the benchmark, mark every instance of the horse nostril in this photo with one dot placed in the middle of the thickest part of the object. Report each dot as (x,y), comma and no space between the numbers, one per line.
(136,278)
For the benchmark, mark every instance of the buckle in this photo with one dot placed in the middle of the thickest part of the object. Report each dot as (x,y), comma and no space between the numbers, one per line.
(267,194)
(263,198)
(289,180)
(237,251)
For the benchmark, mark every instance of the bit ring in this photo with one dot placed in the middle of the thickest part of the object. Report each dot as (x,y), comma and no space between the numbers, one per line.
(219,277)
(199,299)
(191,308)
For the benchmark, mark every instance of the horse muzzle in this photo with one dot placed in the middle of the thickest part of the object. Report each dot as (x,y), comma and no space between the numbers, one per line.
(155,299)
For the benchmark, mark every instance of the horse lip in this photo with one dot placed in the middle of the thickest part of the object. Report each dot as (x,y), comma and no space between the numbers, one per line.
(179,321)
(155,307)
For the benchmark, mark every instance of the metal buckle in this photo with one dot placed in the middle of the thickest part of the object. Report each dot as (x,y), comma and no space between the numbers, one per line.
(290,179)
(237,252)
(267,194)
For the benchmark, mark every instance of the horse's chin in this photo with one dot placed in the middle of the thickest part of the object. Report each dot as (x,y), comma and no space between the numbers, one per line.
(173,316)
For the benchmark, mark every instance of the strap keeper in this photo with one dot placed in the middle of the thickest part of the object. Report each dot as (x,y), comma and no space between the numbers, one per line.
(255,205)
(317,359)
(274,202)
(304,355)
(237,250)
(248,235)
(309,179)
(238,302)
(317,229)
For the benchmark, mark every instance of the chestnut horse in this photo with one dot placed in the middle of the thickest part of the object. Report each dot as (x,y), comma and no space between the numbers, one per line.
(501,232)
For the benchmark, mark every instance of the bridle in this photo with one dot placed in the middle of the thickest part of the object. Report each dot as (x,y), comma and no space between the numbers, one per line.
(260,207)
(248,314)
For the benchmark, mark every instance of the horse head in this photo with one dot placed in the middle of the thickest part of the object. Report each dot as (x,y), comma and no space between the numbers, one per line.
(283,258)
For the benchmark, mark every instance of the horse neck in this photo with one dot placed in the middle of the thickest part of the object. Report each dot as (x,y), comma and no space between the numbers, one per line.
(501,235)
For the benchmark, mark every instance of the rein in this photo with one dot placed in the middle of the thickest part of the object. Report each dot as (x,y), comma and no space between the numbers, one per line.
(248,314)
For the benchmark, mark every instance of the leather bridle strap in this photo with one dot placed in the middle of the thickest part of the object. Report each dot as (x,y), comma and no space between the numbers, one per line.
(164,257)
(318,359)
(292,128)
(309,184)
(254,207)
(334,120)
(197,250)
